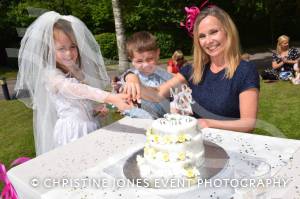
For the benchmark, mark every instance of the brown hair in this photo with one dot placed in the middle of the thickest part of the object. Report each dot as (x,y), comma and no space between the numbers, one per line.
(141,42)
(232,49)
(65,27)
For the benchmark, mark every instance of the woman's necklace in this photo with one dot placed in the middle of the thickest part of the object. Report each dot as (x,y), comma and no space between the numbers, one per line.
(215,69)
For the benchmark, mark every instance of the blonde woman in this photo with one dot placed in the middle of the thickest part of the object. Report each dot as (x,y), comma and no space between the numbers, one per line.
(285,57)
(224,87)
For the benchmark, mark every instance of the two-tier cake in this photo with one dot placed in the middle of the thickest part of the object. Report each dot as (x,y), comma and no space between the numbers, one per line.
(174,149)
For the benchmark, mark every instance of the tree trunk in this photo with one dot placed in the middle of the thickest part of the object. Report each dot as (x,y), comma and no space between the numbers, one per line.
(123,61)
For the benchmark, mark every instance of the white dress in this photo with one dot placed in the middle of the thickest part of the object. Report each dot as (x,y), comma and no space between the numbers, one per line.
(73,102)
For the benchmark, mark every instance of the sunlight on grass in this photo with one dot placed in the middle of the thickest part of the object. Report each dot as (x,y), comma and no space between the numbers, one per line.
(8,73)
(16,135)
(280,106)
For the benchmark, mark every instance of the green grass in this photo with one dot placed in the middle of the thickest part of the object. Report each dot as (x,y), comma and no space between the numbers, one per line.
(16,137)
(16,132)
(280,106)
(8,73)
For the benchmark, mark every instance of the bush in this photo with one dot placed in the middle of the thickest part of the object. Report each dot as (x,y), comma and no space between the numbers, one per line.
(166,43)
(169,41)
(108,45)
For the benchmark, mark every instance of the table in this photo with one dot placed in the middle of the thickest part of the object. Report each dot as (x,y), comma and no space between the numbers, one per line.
(100,154)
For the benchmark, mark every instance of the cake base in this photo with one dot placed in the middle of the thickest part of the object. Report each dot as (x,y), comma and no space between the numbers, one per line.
(215,159)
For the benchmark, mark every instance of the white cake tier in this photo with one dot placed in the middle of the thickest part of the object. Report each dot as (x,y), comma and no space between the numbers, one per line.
(194,145)
(157,163)
(153,169)
(174,124)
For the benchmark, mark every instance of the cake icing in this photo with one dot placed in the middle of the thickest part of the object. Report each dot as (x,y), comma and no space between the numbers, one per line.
(174,149)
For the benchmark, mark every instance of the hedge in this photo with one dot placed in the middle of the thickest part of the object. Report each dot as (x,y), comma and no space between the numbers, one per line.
(168,42)
(108,45)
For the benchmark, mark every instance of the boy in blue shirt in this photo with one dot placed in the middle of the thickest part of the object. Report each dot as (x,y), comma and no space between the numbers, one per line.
(144,53)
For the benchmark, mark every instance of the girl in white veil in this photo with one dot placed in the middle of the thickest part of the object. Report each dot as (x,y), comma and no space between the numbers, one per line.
(61,74)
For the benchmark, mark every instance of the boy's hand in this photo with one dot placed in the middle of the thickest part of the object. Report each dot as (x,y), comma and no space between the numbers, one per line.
(132,87)
(133,90)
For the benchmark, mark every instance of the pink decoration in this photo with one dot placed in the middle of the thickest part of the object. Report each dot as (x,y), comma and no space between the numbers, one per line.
(9,191)
(191,15)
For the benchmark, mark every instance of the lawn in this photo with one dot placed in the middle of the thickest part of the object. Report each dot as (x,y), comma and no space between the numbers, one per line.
(280,106)
(16,138)
(8,73)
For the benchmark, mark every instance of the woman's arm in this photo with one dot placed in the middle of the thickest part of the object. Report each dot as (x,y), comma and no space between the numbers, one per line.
(276,65)
(289,61)
(248,111)
(169,69)
(136,90)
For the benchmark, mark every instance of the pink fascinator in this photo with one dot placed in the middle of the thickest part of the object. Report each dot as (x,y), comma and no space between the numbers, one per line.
(191,15)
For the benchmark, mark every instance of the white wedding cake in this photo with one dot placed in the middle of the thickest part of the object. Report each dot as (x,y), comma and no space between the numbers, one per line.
(174,149)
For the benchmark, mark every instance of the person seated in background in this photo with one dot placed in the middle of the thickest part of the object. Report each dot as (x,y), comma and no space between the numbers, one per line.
(176,62)
(116,84)
(284,58)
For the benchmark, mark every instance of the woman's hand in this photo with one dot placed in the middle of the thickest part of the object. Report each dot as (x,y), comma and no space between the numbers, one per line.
(203,123)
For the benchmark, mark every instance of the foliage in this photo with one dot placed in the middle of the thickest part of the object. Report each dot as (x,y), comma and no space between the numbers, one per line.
(166,44)
(102,16)
(259,22)
(108,45)
(24,13)
(153,15)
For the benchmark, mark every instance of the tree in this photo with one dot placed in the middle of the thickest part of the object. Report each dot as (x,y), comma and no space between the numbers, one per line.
(123,61)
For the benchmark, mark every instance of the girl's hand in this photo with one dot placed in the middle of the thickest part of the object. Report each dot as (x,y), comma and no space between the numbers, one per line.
(101,110)
(120,101)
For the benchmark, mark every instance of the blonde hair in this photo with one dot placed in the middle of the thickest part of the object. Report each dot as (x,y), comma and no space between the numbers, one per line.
(178,54)
(245,57)
(280,40)
(232,50)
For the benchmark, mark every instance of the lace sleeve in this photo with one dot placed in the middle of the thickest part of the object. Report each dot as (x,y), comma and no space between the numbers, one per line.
(71,88)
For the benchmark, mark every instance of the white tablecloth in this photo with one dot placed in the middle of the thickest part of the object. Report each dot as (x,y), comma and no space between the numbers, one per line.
(100,155)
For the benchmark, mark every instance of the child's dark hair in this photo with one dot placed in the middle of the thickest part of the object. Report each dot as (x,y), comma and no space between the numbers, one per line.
(140,42)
